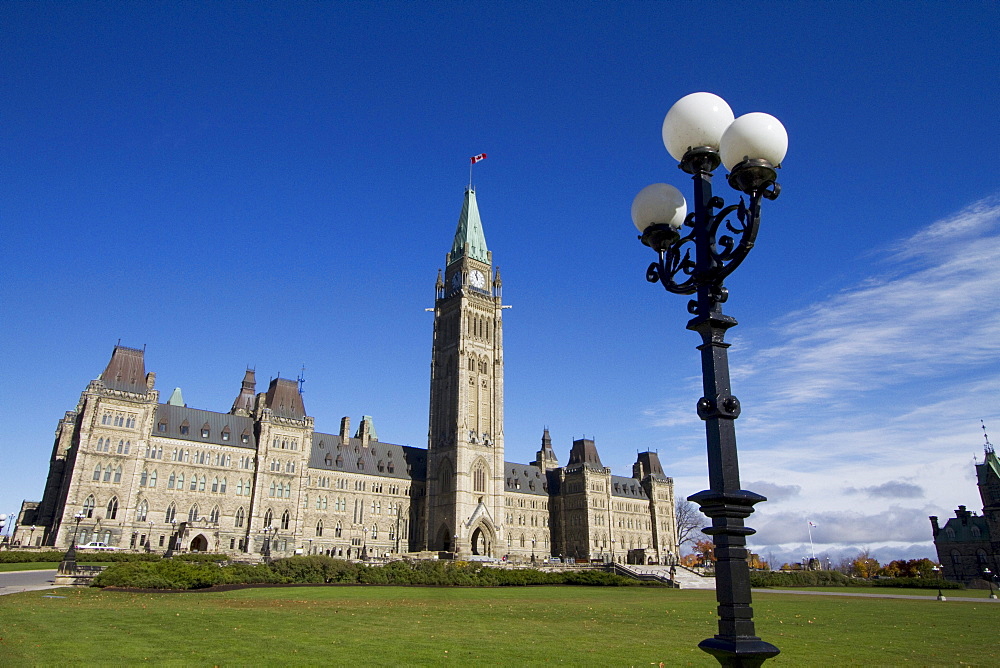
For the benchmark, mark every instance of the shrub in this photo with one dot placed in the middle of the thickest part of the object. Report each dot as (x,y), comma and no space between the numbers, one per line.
(163,574)
(917,583)
(803,579)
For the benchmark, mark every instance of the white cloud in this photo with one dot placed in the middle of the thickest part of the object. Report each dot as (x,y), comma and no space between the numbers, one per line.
(867,402)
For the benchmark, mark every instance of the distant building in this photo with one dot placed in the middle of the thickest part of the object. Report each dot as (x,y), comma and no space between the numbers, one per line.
(969,543)
(133,472)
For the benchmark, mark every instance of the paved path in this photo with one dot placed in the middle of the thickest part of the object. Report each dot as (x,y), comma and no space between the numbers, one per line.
(15,582)
(931,597)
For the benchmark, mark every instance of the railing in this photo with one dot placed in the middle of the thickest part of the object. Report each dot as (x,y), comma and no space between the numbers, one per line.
(647,575)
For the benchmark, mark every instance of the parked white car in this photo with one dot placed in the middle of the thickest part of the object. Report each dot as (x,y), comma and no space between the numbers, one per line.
(96,545)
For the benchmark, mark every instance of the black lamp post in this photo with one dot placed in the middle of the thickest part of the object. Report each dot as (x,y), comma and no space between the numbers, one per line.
(68,564)
(701,133)
(989,576)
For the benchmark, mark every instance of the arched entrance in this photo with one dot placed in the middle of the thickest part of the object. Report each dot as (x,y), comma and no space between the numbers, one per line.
(444,539)
(482,541)
(199,544)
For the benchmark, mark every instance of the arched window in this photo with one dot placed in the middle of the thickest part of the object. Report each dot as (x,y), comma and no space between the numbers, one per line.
(981,556)
(193,513)
(239,487)
(319,528)
(171,513)
(112,508)
(337,531)
(374,532)
(956,559)
(152,479)
(88,506)
(222,486)
(268,518)
(180,481)
(215,484)
(284,520)
(240,516)
(214,515)
(118,474)
(143,478)
(97,472)
(522,540)
(121,446)
(273,487)
(479,478)
(107,473)
(141,511)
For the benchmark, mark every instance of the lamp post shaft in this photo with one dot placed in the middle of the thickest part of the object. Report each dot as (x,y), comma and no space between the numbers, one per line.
(724,502)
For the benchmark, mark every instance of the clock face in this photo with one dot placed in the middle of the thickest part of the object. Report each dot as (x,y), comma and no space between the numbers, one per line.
(477,279)
(456,281)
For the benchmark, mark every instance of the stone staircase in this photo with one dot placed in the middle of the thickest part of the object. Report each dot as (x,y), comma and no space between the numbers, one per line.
(683,578)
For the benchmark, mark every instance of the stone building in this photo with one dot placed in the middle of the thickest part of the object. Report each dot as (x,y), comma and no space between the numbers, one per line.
(969,543)
(133,472)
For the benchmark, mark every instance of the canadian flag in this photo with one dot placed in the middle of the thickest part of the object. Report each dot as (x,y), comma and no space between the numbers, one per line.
(476,158)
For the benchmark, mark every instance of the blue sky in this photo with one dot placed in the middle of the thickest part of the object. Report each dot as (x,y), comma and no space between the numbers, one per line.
(277,184)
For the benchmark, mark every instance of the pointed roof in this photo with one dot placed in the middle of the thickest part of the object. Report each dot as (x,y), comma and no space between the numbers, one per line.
(284,400)
(176,398)
(469,238)
(244,400)
(126,371)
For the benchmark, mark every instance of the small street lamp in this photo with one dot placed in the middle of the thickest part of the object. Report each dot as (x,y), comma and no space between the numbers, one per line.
(172,541)
(989,576)
(68,564)
(696,252)
(149,539)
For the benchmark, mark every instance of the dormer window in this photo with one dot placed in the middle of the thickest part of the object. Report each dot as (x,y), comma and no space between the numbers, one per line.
(225,434)
(161,426)
(205,431)
(245,437)
(185,428)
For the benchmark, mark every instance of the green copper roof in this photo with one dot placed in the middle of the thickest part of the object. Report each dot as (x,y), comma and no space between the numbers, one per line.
(470,231)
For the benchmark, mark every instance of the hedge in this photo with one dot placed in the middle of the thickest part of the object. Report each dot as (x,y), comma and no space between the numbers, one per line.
(837,579)
(178,573)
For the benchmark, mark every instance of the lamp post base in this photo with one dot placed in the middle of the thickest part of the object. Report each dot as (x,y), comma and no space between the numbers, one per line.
(740,653)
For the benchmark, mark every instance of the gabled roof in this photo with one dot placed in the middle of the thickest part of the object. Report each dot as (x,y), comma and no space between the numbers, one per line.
(172,417)
(126,371)
(469,238)
(525,479)
(386,460)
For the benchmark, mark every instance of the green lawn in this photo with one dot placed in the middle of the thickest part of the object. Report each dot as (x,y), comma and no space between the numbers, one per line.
(889,591)
(510,626)
(42,565)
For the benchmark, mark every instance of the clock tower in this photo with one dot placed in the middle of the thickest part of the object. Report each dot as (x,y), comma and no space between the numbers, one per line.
(465,454)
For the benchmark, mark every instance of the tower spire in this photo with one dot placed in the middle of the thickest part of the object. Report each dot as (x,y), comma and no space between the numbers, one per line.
(989,446)
(470,241)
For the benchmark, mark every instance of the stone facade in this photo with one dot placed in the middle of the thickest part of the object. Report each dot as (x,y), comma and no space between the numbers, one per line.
(133,472)
(969,543)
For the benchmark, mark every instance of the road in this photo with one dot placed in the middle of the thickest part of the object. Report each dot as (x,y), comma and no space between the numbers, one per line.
(18,581)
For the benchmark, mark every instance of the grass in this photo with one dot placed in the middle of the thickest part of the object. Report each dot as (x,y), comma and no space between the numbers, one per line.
(42,565)
(511,626)
(895,591)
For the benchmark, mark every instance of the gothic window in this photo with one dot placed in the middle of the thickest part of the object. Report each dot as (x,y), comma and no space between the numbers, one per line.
(97,472)
(479,478)
(194,483)
(222,486)
(180,481)
(239,487)
(271,490)
(215,484)
(981,556)
(337,531)
(288,490)
(107,473)
(121,446)
(170,514)
(193,513)
(975,532)
(284,520)
(143,478)
(950,533)
(214,515)
(118,474)
(152,479)
(106,418)
(171,480)
(88,506)
(141,511)
(112,508)
(319,528)
(268,518)
(374,532)
(239,516)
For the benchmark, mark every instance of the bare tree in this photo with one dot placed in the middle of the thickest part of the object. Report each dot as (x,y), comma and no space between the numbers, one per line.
(689,521)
